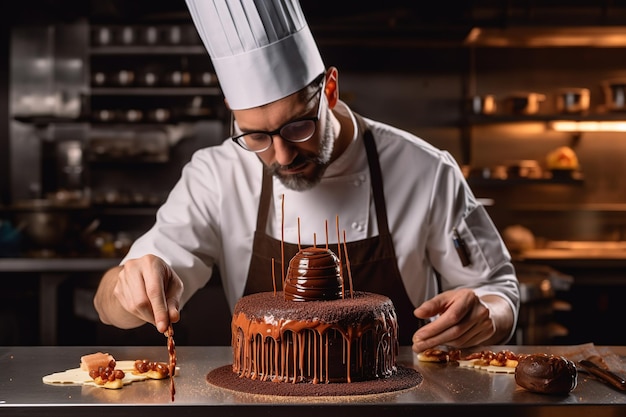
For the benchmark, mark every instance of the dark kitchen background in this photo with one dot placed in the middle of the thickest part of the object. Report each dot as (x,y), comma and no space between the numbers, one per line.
(102,102)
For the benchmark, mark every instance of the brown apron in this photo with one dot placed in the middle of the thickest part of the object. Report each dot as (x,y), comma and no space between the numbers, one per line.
(373,262)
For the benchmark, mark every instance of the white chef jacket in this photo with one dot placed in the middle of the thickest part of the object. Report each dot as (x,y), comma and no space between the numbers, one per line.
(209,218)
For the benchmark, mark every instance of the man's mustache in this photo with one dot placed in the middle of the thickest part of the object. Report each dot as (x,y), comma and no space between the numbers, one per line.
(299,160)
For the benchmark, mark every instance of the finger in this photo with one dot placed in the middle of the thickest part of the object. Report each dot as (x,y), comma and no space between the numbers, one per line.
(449,316)
(130,292)
(470,331)
(442,335)
(455,336)
(173,293)
(158,303)
(145,277)
(430,308)
(451,325)
(473,336)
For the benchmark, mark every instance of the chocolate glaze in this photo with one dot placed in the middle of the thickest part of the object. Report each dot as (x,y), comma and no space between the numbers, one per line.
(546,374)
(343,340)
(313,274)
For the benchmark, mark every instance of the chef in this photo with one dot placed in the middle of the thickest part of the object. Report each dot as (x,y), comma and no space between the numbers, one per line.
(302,168)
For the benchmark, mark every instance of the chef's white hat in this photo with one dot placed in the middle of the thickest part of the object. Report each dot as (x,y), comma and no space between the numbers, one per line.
(262,50)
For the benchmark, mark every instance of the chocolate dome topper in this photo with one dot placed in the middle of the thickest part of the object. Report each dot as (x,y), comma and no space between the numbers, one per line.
(314,274)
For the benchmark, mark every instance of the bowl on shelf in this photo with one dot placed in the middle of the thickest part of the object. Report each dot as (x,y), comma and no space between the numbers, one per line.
(563,174)
(573,100)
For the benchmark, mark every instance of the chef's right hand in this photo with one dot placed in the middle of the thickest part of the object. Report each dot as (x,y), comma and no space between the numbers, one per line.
(150,290)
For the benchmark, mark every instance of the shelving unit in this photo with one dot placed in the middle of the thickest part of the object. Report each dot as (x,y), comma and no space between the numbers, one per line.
(160,70)
(151,49)
(155,91)
(493,182)
(477,120)
(506,61)
(127,161)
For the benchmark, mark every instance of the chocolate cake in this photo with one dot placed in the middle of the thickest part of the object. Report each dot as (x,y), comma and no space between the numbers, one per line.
(344,340)
(314,331)
(316,338)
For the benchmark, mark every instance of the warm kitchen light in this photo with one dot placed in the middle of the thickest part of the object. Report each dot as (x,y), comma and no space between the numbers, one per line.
(590,36)
(588,126)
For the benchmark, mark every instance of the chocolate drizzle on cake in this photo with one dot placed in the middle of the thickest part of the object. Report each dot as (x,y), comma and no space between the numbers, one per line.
(343,340)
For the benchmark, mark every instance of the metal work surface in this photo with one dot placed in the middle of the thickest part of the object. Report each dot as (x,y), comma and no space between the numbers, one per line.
(446,389)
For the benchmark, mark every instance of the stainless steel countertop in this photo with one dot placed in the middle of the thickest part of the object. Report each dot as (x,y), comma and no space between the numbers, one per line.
(446,390)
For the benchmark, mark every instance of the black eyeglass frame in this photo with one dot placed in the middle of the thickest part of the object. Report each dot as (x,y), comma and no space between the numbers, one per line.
(239,139)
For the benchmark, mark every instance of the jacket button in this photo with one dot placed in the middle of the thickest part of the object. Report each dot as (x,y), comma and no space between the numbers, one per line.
(359,181)
(358,226)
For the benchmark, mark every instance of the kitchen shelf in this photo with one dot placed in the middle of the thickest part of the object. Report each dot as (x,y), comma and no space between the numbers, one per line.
(148,50)
(503,118)
(155,91)
(569,207)
(547,37)
(142,62)
(493,182)
(112,210)
(43,121)
(575,124)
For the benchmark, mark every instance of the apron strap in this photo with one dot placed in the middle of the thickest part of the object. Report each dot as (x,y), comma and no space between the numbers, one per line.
(264,201)
(376,176)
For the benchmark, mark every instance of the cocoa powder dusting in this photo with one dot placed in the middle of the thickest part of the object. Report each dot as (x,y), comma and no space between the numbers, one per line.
(405,378)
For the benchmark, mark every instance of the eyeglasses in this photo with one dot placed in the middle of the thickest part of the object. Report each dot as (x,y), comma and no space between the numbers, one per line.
(296,131)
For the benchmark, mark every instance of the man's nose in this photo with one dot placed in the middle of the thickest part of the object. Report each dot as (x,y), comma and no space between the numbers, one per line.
(284,151)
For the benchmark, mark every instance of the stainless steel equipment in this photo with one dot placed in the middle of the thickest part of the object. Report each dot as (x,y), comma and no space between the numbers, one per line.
(537,322)
(446,390)
(48,84)
(48,224)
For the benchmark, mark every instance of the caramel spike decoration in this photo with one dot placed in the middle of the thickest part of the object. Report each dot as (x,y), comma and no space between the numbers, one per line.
(282,239)
(326,227)
(343,288)
(345,248)
(314,240)
(299,247)
(171,351)
(273,277)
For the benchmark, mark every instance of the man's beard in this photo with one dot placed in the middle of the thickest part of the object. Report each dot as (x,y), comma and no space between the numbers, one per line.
(300,182)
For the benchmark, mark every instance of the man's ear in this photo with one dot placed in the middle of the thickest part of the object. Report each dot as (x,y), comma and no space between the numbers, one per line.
(332,86)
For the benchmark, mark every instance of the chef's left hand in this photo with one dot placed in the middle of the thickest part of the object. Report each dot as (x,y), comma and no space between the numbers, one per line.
(464,320)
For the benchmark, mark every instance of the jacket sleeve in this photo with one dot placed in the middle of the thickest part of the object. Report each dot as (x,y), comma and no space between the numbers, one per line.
(185,233)
(460,227)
